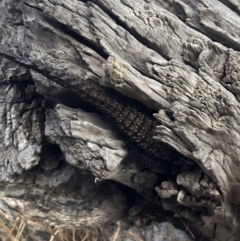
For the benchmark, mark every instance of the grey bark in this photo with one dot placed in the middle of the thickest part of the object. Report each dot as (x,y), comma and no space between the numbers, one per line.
(71,164)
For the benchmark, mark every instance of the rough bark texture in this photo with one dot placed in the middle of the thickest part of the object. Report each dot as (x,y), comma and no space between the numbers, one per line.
(107,106)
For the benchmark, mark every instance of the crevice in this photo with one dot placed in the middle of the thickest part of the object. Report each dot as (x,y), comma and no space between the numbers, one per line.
(17,81)
(227,42)
(229,5)
(80,103)
(32,6)
(132,31)
(138,37)
(73,101)
(108,102)
(68,32)
(216,37)
(170,115)
(84,1)
(82,40)
(51,158)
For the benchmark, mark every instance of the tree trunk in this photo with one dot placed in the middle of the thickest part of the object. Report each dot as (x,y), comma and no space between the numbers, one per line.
(109,107)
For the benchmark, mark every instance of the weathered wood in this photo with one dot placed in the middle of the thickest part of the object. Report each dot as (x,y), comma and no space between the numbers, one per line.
(177,58)
(214,19)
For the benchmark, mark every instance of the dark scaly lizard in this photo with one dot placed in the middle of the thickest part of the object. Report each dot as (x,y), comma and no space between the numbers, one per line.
(133,119)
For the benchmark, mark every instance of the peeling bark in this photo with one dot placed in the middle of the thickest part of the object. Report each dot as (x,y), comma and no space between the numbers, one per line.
(107,106)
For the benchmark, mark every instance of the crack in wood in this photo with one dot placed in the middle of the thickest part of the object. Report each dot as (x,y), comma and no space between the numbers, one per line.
(133,119)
